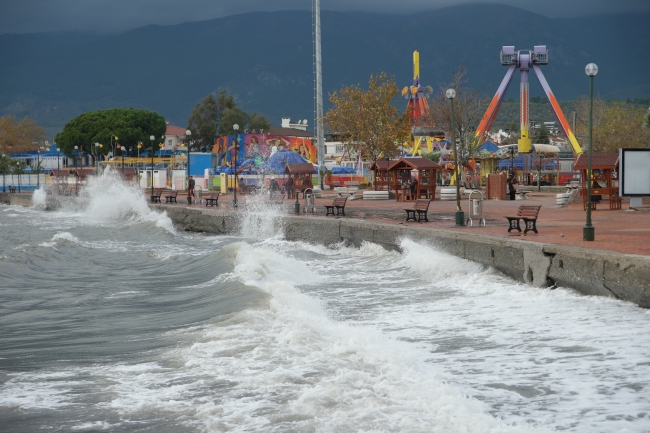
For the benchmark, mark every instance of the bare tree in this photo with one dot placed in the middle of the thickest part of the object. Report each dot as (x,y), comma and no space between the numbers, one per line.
(469,106)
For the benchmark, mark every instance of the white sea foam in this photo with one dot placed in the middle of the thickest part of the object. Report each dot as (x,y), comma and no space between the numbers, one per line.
(292,367)
(107,200)
(555,357)
(261,219)
(39,198)
(93,426)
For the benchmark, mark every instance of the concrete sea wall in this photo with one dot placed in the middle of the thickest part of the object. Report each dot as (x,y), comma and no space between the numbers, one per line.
(591,272)
(16,199)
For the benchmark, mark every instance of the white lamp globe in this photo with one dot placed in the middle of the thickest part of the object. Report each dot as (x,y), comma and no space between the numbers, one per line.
(591,69)
(451,93)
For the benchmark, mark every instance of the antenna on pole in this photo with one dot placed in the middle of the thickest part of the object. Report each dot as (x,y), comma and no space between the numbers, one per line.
(318,88)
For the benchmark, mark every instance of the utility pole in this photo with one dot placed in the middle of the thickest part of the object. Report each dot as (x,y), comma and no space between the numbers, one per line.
(318,90)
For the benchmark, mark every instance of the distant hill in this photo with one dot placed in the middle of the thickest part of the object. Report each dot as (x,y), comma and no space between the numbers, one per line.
(265,59)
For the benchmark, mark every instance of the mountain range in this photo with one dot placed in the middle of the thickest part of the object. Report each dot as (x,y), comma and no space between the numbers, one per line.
(265,60)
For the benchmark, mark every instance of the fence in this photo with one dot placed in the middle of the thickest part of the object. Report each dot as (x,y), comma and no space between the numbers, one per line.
(27,182)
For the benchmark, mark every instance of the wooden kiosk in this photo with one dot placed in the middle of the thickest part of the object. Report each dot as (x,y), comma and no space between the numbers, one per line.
(604,169)
(400,179)
(380,168)
(301,174)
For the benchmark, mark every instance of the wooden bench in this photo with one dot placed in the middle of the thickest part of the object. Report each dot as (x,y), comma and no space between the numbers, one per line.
(171,198)
(526,213)
(421,207)
(155,196)
(12,189)
(339,204)
(212,199)
(351,183)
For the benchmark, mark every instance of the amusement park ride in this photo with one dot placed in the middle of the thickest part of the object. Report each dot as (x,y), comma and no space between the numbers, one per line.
(423,127)
(524,60)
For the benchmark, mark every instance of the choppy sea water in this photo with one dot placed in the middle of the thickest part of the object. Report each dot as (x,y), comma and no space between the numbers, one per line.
(111,320)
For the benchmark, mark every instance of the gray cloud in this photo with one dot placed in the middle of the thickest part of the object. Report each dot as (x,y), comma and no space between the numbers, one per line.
(21,16)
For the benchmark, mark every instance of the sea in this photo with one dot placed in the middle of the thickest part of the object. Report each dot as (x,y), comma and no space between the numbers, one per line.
(112,320)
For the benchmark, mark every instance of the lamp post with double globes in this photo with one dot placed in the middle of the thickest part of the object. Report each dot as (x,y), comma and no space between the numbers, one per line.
(235,127)
(460,215)
(588,231)
(188,134)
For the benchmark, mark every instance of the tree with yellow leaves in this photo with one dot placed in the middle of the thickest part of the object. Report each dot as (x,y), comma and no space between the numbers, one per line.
(615,125)
(367,119)
(19,135)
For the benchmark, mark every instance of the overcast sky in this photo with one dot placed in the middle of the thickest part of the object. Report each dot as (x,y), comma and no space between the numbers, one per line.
(21,16)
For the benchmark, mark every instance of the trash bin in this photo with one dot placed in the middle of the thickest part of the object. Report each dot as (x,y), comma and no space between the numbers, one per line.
(197,193)
(309,200)
(476,208)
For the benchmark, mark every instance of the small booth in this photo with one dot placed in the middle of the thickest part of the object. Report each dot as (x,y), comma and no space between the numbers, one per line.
(413,178)
(301,174)
(604,179)
(380,168)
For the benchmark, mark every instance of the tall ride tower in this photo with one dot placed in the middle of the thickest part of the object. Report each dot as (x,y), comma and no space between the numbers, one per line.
(525,60)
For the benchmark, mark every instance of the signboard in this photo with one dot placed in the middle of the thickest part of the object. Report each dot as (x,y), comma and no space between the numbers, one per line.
(634,172)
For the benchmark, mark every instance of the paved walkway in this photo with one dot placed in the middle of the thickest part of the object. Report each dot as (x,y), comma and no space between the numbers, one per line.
(625,231)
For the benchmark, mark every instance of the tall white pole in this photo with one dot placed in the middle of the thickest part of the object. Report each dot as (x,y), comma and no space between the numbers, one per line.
(320,133)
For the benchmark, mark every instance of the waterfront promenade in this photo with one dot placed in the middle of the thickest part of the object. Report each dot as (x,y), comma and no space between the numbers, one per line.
(624,231)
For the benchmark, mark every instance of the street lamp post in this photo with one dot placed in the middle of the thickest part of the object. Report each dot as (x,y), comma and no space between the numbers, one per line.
(38,169)
(58,159)
(4,169)
(152,138)
(123,148)
(236,128)
(188,134)
(97,145)
(460,215)
(76,148)
(588,231)
(18,170)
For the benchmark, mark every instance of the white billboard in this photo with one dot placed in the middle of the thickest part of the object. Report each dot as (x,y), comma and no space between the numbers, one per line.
(634,172)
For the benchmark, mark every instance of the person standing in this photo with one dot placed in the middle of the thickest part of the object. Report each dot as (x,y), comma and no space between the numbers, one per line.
(192,183)
(273,187)
(512,185)
(289,185)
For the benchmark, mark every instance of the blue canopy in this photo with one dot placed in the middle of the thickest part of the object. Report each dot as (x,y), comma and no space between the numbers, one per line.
(163,152)
(343,170)
(278,161)
(488,146)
